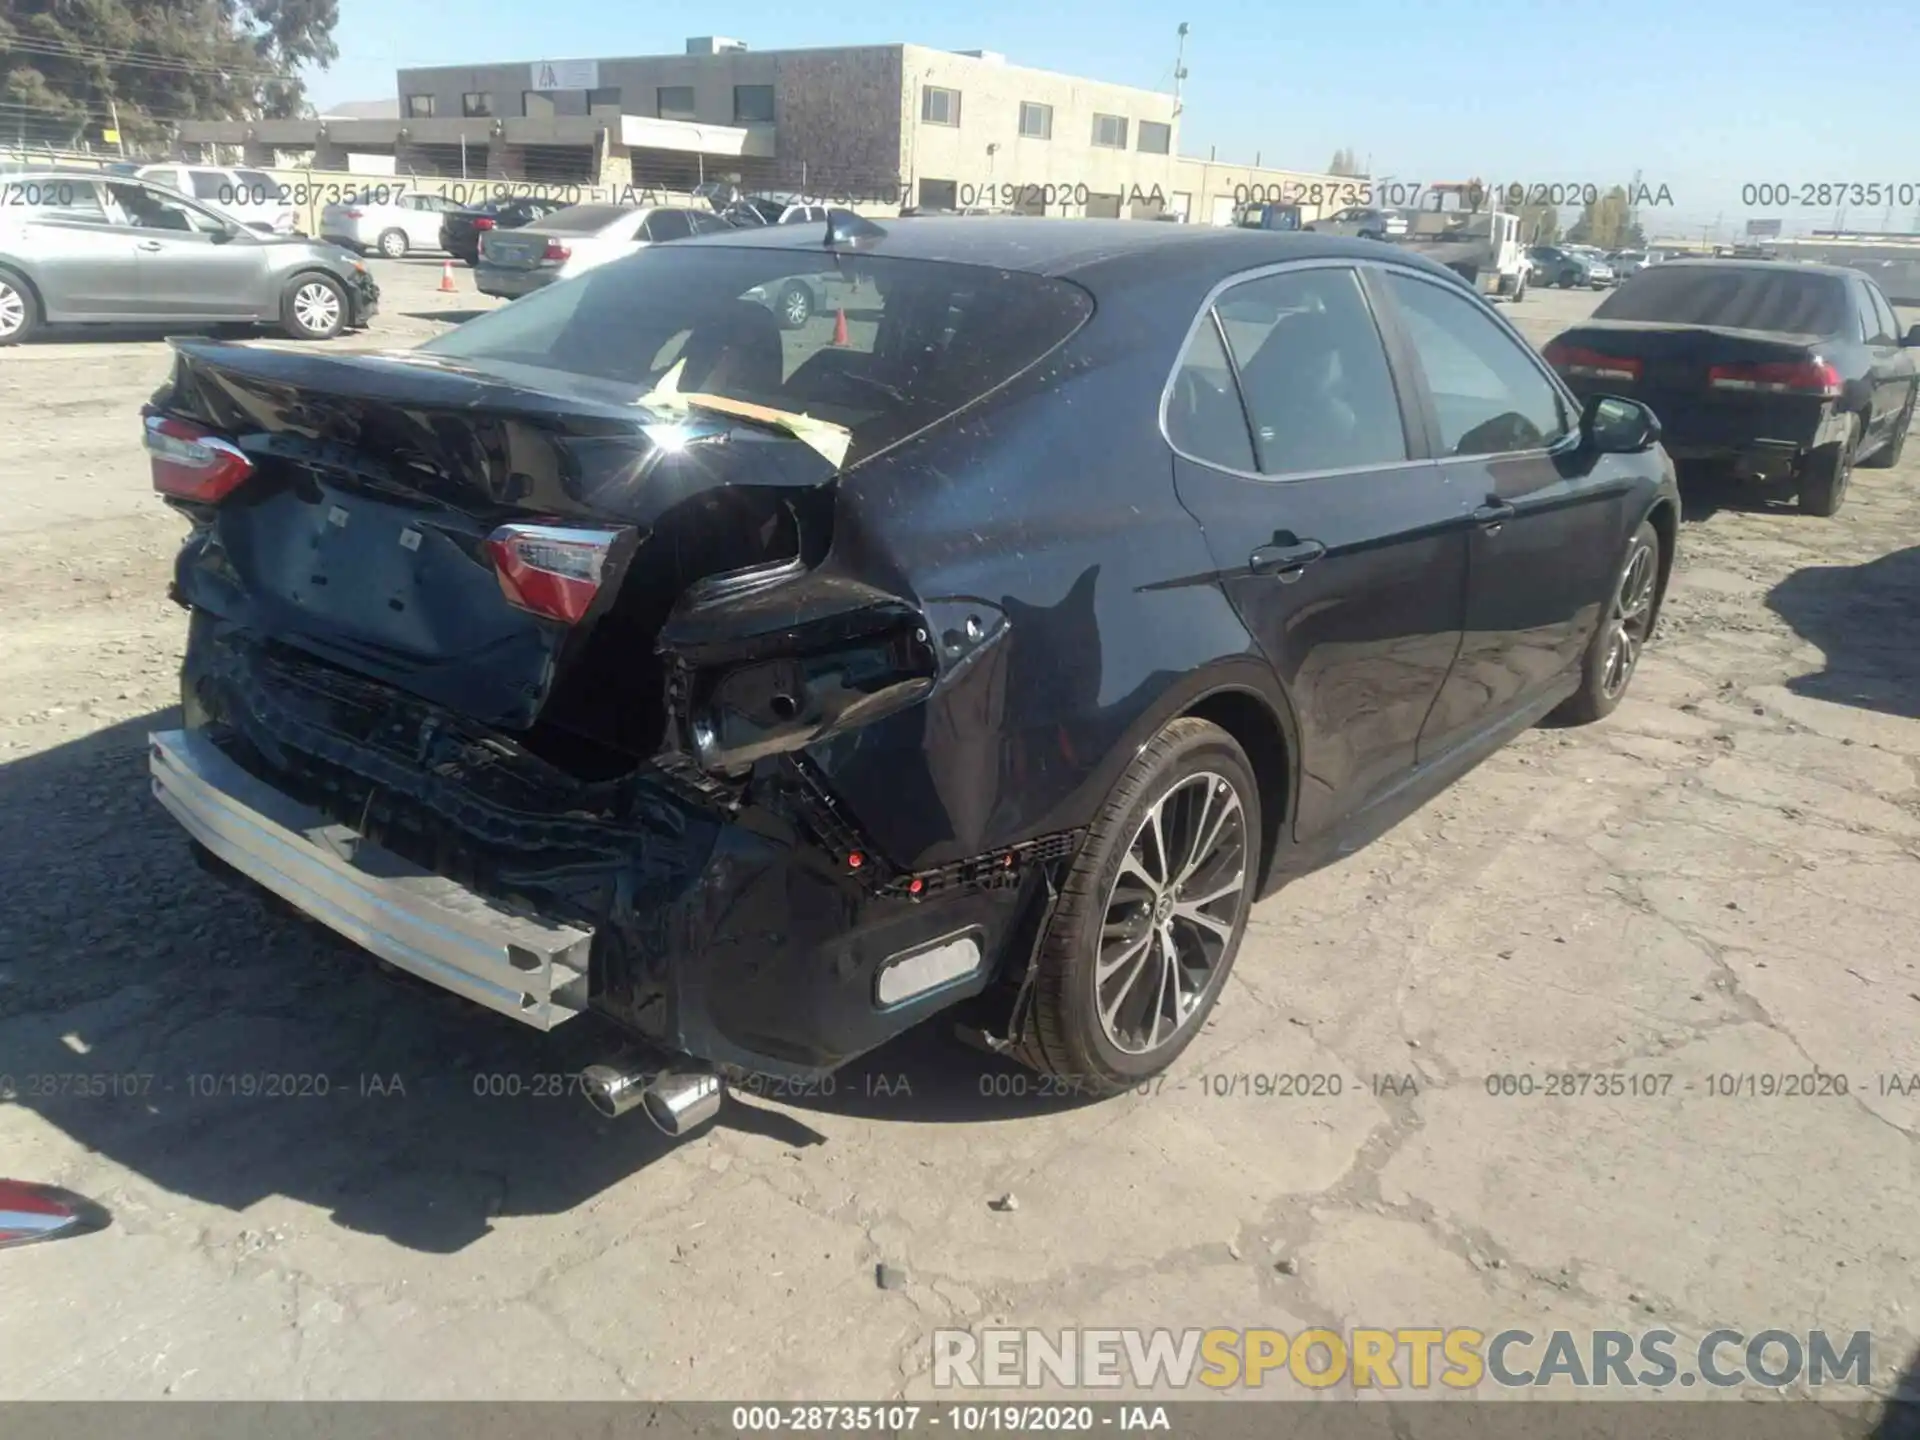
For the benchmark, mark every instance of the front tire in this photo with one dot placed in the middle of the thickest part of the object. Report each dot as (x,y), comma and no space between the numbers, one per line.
(313,308)
(19,309)
(794,307)
(1151,915)
(1626,624)
(393,244)
(1823,486)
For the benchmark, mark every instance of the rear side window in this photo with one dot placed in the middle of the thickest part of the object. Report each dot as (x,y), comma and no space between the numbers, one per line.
(54,198)
(665,225)
(1488,395)
(1313,373)
(211,185)
(1204,417)
(583,219)
(924,338)
(1741,297)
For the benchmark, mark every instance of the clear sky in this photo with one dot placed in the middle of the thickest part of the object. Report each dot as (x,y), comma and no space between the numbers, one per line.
(1704,96)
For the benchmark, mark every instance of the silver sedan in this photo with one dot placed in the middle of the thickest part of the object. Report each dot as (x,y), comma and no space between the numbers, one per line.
(83,247)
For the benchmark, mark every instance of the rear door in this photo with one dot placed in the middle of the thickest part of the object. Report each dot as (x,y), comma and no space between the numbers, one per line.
(665,225)
(1342,547)
(423,214)
(1891,368)
(84,264)
(1548,523)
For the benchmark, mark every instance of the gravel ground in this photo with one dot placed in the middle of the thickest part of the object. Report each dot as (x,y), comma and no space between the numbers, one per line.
(1713,882)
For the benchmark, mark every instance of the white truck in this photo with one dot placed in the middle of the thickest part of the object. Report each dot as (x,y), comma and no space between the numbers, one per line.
(1482,246)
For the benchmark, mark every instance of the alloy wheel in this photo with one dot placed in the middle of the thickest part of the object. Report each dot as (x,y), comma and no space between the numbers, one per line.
(1170,917)
(798,308)
(1629,621)
(13,310)
(317,308)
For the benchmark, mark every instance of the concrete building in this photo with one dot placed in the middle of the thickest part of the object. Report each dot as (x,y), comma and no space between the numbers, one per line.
(891,124)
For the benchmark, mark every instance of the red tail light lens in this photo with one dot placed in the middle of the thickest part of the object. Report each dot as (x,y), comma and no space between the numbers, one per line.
(485,222)
(1576,360)
(354,214)
(550,570)
(557,251)
(191,462)
(1791,377)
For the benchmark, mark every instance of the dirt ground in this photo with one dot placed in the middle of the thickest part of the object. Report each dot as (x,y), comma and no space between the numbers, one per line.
(1721,880)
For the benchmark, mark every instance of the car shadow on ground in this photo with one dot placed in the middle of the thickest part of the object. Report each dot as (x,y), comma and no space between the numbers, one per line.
(227,1051)
(1866,618)
(445,317)
(1900,1416)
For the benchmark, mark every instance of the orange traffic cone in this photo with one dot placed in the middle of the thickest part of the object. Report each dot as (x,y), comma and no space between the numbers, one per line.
(840,327)
(446,279)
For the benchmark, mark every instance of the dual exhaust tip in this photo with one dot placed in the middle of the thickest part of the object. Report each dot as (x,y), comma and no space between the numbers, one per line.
(678,1099)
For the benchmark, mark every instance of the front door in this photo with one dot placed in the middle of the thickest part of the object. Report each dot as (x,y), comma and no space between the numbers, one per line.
(1343,550)
(84,264)
(190,265)
(1549,515)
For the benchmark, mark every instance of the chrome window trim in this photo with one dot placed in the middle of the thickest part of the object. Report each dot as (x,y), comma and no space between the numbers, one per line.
(1205,315)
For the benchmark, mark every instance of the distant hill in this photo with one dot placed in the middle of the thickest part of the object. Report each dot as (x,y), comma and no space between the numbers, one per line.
(362,110)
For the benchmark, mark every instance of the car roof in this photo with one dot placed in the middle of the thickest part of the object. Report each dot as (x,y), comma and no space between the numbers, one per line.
(1069,247)
(1728,262)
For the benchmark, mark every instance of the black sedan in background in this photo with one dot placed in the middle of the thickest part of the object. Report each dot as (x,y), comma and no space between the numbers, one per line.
(1783,375)
(460,231)
(1097,579)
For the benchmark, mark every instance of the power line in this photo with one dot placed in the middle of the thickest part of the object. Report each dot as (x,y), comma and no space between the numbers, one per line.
(139,60)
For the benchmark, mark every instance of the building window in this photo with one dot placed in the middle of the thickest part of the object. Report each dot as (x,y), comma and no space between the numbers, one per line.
(476,106)
(605,95)
(420,107)
(939,106)
(675,102)
(1036,121)
(939,194)
(1155,138)
(1110,131)
(753,104)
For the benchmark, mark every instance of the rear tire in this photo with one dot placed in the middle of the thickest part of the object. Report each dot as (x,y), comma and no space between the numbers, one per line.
(1823,487)
(1626,624)
(794,307)
(1130,965)
(1888,455)
(393,244)
(19,309)
(314,307)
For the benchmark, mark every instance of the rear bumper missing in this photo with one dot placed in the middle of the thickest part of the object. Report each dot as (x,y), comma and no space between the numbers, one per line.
(531,969)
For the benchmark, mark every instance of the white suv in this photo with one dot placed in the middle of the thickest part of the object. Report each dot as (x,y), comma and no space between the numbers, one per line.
(252,197)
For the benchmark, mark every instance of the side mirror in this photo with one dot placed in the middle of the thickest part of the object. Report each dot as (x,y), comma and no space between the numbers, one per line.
(1610,425)
(1912,340)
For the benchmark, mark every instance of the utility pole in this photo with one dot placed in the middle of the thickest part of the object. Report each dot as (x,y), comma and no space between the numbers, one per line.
(1179,69)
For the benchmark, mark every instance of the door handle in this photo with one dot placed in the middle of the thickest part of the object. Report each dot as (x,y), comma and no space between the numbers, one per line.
(149,245)
(1286,561)
(1492,515)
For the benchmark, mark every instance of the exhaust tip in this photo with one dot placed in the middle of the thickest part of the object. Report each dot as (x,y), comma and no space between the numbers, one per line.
(677,1100)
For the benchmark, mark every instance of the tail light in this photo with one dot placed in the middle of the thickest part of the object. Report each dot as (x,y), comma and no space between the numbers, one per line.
(1788,377)
(556,252)
(354,214)
(1576,360)
(550,570)
(191,462)
(484,222)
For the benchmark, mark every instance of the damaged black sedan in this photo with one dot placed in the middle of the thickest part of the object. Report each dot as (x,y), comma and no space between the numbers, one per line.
(992,642)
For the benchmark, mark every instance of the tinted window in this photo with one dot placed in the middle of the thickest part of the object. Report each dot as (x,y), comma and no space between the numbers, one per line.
(1490,398)
(209,185)
(1313,373)
(258,182)
(1745,297)
(1204,418)
(1882,322)
(584,219)
(925,337)
(668,225)
(707,224)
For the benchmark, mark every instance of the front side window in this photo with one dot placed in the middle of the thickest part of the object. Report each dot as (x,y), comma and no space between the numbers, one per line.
(1313,373)
(156,210)
(1889,322)
(211,185)
(1490,397)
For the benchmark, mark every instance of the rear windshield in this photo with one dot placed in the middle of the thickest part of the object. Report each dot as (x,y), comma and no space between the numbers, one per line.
(585,219)
(1740,297)
(882,346)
